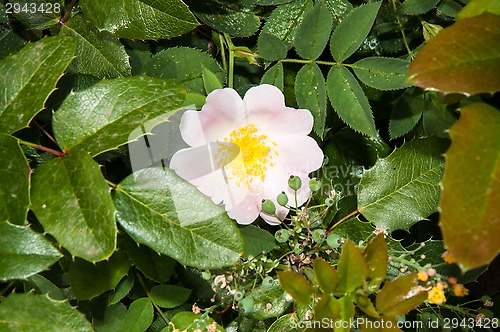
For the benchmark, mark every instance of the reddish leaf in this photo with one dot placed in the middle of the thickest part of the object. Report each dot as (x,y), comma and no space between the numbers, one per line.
(463,58)
(399,296)
(327,307)
(376,256)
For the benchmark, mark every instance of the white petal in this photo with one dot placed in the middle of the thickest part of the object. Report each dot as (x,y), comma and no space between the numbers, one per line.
(247,211)
(297,154)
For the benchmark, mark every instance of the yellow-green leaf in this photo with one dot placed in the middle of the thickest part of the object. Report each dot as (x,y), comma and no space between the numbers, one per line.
(399,296)
(297,286)
(477,7)
(353,268)
(326,275)
(376,256)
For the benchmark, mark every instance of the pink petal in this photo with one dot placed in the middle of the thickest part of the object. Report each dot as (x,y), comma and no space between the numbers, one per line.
(247,211)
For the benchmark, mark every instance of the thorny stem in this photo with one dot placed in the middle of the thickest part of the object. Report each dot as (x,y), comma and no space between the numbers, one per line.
(68,12)
(398,21)
(353,213)
(148,294)
(43,148)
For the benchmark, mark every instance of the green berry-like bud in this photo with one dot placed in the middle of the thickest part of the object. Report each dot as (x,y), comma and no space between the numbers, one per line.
(268,206)
(206,275)
(314,184)
(326,160)
(282,199)
(294,182)
(318,235)
(298,248)
(333,241)
(329,202)
(238,296)
(246,305)
(282,235)
(267,282)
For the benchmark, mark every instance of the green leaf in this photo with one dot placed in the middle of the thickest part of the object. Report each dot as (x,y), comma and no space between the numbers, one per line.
(274,76)
(382,73)
(437,118)
(112,320)
(458,60)
(326,275)
(23,252)
(36,67)
(14,192)
(377,258)
(310,92)
(256,240)
(210,81)
(139,316)
(122,289)
(349,101)
(45,286)
(477,7)
(352,268)
(90,280)
(184,65)
(407,112)
(38,14)
(469,204)
(97,53)
(44,314)
(399,296)
(366,305)
(327,309)
(288,322)
(263,296)
(271,47)
(352,31)
(297,286)
(339,9)
(10,41)
(159,209)
(317,26)
(140,19)
(347,311)
(104,117)
(71,200)
(403,188)
(285,19)
(417,7)
(169,296)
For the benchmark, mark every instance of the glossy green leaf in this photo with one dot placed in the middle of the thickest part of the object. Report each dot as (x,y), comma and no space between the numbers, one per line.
(377,258)
(45,286)
(469,204)
(297,286)
(399,296)
(97,53)
(326,275)
(140,19)
(14,191)
(326,309)
(122,289)
(71,200)
(37,14)
(104,116)
(263,296)
(210,81)
(274,75)
(271,47)
(417,7)
(310,92)
(349,101)
(139,316)
(463,58)
(382,73)
(403,188)
(339,9)
(477,7)
(407,112)
(352,31)
(44,314)
(159,209)
(256,240)
(90,280)
(352,268)
(184,65)
(169,296)
(285,19)
(23,252)
(317,26)
(10,41)
(36,67)
(286,323)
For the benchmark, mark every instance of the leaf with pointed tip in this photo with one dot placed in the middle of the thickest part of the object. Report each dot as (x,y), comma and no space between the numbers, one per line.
(407,112)
(352,268)
(35,68)
(399,296)
(139,316)
(297,286)
(317,26)
(326,275)
(14,192)
(98,53)
(23,252)
(274,76)
(44,314)
(377,258)
(403,188)
(327,308)
(256,240)
(159,209)
(210,81)
(310,92)
(271,47)
(417,7)
(37,14)
(469,205)
(352,31)
(71,199)
(339,9)
(105,116)
(349,101)
(169,296)
(463,58)
(140,19)
(382,73)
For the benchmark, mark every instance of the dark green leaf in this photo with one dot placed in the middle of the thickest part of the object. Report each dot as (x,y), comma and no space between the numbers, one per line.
(172,217)
(297,286)
(399,296)
(349,101)
(339,9)
(310,92)
(10,41)
(44,314)
(35,68)
(417,7)
(169,296)
(23,252)
(256,240)
(104,116)
(139,316)
(382,73)
(71,200)
(97,53)
(407,112)
(352,31)
(437,118)
(352,268)
(112,320)
(38,14)
(469,205)
(377,258)
(403,188)
(140,19)
(122,289)
(45,286)
(271,47)
(326,275)
(317,26)
(14,177)
(263,296)
(210,81)
(274,76)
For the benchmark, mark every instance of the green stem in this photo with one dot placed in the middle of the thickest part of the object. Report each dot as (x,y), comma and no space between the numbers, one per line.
(327,63)
(231,61)
(223,52)
(398,21)
(43,148)
(353,213)
(148,294)
(68,12)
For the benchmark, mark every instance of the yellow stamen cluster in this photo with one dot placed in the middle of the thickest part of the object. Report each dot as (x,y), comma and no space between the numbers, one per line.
(436,295)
